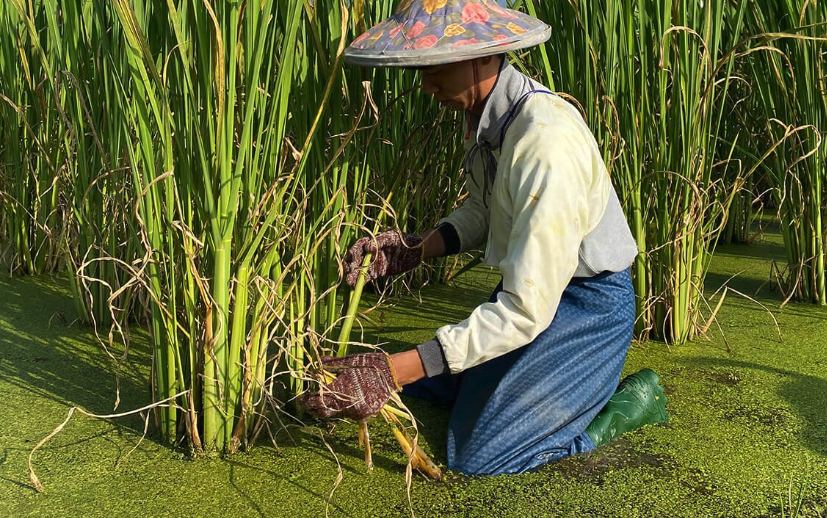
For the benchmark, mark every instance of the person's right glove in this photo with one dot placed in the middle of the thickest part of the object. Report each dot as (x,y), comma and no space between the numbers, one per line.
(362,386)
(392,253)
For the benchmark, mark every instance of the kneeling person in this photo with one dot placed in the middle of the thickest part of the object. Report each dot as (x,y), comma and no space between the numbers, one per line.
(533,373)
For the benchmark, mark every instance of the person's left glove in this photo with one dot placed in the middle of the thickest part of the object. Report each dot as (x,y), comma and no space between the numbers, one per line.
(363,385)
(392,253)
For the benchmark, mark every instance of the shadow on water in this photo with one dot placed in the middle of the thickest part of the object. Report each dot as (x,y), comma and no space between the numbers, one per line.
(433,425)
(443,301)
(806,394)
(235,478)
(619,454)
(404,322)
(748,268)
(762,249)
(43,355)
(750,286)
(439,305)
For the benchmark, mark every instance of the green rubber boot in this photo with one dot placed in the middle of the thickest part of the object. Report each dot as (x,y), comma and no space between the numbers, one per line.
(638,401)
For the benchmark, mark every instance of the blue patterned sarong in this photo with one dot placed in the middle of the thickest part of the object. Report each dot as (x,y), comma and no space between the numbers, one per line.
(531,406)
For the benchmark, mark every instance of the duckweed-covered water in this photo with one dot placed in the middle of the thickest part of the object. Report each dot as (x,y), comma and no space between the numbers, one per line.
(746,425)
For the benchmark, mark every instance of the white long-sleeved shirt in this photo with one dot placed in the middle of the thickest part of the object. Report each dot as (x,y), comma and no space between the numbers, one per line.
(551,215)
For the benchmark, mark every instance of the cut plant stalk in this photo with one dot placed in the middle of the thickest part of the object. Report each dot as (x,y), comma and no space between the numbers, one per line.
(419,459)
(364,442)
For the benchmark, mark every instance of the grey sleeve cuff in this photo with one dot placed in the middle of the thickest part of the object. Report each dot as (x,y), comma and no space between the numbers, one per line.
(450,237)
(433,359)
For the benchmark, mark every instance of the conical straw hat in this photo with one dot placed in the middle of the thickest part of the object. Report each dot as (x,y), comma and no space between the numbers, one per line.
(434,32)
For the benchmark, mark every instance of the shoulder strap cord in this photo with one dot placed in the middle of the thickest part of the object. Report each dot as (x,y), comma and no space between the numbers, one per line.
(486,151)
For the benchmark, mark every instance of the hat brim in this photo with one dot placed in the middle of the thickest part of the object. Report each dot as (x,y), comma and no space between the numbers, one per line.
(442,56)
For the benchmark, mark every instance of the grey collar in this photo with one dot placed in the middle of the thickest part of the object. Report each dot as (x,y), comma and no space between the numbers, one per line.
(510,91)
(509,88)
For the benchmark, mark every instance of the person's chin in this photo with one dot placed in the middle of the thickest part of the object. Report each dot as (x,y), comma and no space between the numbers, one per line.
(450,104)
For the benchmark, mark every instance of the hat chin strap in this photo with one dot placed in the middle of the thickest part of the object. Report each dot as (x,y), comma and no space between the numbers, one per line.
(476,84)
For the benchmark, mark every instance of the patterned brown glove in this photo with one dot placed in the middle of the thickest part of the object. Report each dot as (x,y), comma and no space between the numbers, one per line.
(392,253)
(363,385)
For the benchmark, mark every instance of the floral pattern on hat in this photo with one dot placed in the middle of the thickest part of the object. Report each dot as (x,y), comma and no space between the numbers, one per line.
(430,31)
(433,5)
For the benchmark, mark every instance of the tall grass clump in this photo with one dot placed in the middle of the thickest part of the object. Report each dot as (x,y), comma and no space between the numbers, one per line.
(29,157)
(789,81)
(210,161)
(65,198)
(244,198)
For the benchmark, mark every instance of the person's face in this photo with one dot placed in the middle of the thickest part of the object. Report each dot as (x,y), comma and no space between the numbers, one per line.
(451,84)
